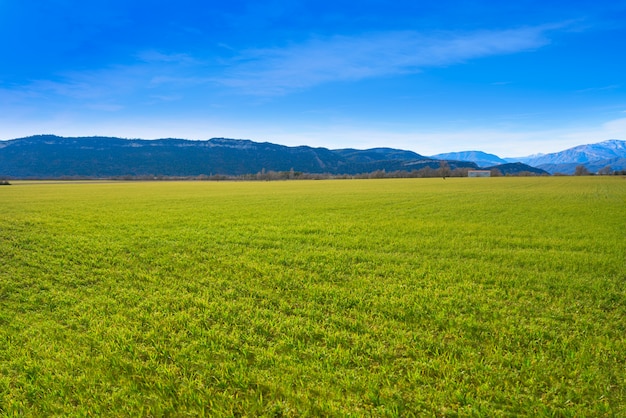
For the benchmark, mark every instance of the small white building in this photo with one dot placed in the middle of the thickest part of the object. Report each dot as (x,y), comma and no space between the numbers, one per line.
(479,173)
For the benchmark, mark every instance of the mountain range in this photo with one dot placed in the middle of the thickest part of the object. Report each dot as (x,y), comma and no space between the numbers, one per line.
(611,153)
(594,157)
(50,156)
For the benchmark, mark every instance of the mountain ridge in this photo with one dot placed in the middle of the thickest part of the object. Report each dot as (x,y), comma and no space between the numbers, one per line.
(612,148)
(51,156)
(595,157)
(482,159)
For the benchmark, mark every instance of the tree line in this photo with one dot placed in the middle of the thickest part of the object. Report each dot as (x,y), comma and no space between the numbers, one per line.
(581,170)
(269,175)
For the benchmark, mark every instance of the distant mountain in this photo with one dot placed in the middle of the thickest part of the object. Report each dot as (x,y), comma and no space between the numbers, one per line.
(517,169)
(378,154)
(49,156)
(482,159)
(522,159)
(593,156)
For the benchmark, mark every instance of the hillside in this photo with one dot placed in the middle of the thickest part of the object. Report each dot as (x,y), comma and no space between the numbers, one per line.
(517,168)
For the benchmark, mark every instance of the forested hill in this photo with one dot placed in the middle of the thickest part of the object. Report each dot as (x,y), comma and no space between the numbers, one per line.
(49,156)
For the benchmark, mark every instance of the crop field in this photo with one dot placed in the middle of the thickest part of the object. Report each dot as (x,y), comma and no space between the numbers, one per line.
(400,297)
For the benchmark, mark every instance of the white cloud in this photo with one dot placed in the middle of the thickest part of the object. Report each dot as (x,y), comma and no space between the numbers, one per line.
(613,129)
(160,77)
(101,84)
(276,71)
(272,71)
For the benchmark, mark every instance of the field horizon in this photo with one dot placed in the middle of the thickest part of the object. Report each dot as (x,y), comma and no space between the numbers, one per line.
(501,296)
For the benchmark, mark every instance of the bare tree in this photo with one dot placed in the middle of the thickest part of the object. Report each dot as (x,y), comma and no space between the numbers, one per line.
(444,169)
(581,170)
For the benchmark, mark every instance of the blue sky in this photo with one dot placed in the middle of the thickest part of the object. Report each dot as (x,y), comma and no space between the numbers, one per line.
(511,78)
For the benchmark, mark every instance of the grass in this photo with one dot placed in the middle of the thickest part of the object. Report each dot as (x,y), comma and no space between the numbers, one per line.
(463,297)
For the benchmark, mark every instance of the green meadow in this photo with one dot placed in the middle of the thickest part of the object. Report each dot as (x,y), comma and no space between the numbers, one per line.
(398,297)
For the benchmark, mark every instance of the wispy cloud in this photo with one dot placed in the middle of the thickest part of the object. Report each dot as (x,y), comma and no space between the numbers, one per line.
(153,56)
(596,89)
(153,75)
(275,71)
(282,70)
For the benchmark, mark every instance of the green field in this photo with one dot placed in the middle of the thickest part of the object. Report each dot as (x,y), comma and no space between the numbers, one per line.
(417,297)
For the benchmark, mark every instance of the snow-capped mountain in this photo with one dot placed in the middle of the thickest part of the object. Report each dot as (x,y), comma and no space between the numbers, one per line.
(594,157)
(581,154)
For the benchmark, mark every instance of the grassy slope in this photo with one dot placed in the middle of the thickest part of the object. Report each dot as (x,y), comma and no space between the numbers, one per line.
(462,297)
